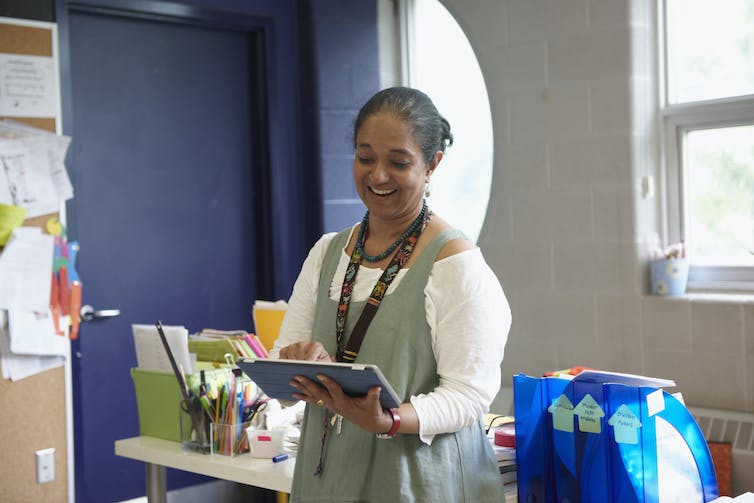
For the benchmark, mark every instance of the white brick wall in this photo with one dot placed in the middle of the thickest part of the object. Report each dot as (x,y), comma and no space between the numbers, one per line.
(572,89)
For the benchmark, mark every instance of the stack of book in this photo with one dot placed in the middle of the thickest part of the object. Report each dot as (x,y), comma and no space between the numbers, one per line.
(502,437)
(213,345)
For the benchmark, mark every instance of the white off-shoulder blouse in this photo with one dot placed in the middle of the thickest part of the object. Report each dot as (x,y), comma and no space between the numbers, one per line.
(469,318)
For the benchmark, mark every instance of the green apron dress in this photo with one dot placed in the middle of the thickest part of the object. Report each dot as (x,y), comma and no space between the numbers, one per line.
(457,467)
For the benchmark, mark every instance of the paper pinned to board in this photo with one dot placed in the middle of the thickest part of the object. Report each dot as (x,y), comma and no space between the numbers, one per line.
(151,354)
(26,269)
(30,86)
(34,176)
(16,367)
(11,217)
(33,333)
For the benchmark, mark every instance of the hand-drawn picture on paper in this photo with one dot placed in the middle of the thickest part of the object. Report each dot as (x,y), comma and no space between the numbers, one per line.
(28,86)
(32,169)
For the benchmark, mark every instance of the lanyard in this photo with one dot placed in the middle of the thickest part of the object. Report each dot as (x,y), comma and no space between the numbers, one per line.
(350,352)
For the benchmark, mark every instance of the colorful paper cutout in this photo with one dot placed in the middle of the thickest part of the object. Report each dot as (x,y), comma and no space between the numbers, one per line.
(10,218)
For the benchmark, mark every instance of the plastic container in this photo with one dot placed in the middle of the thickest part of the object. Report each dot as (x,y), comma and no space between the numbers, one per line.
(607,441)
(669,276)
(229,439)
(266,443)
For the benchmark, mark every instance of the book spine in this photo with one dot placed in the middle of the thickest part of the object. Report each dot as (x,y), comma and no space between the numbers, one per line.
(246,347)
(239,349)
(254,346)
(261,345)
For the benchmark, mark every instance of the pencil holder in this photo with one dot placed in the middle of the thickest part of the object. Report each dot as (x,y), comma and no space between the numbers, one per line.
(195,431)
(669,276)
(229,439)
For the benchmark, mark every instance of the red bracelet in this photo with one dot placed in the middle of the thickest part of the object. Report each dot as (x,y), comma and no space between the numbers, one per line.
(393,429)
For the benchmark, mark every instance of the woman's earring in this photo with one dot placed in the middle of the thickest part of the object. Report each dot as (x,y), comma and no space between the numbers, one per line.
(426,190)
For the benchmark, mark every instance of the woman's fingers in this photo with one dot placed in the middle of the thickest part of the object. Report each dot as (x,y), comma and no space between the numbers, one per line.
(316,352)
(310,391)
(333,388)
(365,411)
(312,351)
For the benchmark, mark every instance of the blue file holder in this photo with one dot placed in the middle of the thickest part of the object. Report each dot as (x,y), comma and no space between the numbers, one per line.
(607,439)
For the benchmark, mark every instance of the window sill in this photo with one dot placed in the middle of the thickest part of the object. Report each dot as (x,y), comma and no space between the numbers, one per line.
(719,297)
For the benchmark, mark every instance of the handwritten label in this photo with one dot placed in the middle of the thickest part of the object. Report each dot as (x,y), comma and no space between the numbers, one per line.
(625,425)
(589,413)
(562,414)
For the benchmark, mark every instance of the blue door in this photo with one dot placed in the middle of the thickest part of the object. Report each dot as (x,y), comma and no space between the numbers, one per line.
(169,161)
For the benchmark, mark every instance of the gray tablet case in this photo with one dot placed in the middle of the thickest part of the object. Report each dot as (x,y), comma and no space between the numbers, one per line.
(274,376)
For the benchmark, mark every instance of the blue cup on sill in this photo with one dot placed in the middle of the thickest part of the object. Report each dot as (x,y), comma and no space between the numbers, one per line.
(669,276)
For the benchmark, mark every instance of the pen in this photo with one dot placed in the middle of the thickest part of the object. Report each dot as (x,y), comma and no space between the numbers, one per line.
(279,458)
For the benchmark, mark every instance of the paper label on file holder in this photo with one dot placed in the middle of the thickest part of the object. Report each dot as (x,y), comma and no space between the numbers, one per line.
(625,426)
(655,402)
(562,414)
(589,413)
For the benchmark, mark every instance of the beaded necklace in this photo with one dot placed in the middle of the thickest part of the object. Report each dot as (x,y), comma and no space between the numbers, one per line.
(362,236)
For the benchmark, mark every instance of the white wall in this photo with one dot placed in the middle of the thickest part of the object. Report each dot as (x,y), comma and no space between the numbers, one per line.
(573,95)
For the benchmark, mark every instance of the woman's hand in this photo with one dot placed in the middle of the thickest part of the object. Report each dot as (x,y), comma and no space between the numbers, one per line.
(365,411)
(314,351)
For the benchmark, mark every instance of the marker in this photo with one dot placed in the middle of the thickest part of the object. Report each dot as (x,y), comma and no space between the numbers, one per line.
(279,458)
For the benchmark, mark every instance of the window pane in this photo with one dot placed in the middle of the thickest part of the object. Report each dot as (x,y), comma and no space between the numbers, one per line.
(447,70)
(719,180)
(710,49)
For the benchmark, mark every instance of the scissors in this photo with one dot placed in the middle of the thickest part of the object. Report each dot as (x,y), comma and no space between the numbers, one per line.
(251,411)
(193,407)
(189,403)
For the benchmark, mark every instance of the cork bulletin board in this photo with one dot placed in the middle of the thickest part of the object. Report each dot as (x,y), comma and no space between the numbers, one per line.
(33,412)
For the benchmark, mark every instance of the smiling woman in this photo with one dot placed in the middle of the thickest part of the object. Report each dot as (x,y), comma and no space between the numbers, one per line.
(411,295)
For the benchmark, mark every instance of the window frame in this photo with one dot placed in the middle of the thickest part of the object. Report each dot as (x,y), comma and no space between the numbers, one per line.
(678,119)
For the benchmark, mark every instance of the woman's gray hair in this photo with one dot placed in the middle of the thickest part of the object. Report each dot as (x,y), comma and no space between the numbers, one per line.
(430,129)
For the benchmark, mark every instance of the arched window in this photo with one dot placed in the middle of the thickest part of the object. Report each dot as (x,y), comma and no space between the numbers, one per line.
(437,58)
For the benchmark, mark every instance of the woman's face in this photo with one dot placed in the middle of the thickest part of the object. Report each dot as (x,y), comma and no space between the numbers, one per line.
(389,169)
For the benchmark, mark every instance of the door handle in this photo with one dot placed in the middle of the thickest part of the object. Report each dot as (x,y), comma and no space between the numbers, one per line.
(88,313)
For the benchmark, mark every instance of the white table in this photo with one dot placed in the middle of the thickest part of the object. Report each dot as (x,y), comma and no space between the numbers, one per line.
(159,454)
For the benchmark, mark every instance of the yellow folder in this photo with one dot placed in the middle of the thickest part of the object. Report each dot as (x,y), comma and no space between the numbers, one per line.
(268,316)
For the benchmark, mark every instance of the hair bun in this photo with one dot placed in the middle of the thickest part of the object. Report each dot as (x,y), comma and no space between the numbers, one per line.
(446,138)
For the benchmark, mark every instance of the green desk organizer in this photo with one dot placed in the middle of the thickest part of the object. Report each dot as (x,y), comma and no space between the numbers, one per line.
(158,400)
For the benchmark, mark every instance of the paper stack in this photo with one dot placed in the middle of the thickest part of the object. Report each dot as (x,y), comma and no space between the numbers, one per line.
(150,352)
(502,437)
(218,345)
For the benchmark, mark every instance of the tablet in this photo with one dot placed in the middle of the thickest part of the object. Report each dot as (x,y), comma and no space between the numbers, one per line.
(274,376)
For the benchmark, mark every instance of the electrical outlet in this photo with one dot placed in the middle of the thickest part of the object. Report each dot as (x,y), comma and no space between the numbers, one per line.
(45,465)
